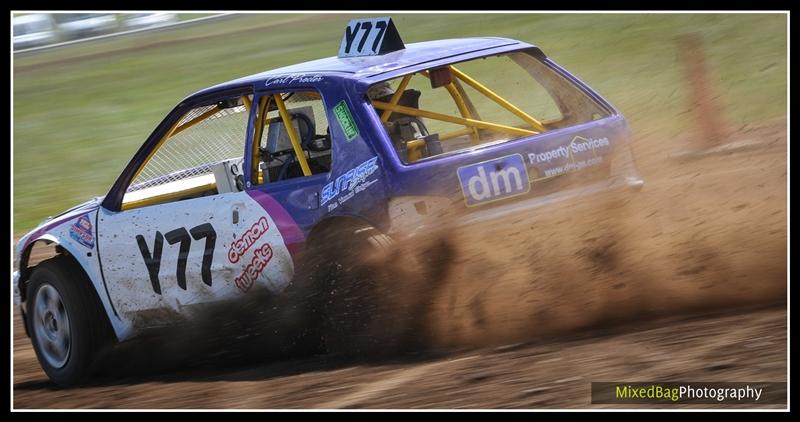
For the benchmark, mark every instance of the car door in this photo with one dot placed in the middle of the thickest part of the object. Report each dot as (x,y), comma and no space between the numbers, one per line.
(186,235)
(293,181)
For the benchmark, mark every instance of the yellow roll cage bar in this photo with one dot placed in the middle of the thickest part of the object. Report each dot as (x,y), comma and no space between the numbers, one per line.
(262,109)
(287,124)
(471,125)
(175,129)
(453,119)
(535,124)
(262,122)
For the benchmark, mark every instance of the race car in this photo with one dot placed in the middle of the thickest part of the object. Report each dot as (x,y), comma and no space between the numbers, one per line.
(245,183)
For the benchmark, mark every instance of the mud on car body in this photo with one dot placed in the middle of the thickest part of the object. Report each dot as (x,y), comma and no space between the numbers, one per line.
(231,191)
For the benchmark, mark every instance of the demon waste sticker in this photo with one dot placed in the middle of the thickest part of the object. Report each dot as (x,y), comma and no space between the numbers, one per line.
(345,120)
(261,257)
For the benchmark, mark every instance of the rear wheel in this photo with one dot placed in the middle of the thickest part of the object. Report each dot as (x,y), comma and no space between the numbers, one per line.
(67,324)
(366,300)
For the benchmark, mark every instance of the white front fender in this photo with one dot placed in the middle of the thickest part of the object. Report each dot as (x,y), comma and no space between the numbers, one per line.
(86,256)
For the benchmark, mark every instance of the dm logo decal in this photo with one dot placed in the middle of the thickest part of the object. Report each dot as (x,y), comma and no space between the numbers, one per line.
(493,180)
(81,231)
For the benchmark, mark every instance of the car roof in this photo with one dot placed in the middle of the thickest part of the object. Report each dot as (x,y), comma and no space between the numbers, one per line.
(358,68)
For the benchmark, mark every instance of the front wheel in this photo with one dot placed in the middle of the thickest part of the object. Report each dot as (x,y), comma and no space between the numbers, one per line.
(67,324)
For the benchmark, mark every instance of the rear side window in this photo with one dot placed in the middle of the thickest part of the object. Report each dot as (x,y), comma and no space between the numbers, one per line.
(480,102)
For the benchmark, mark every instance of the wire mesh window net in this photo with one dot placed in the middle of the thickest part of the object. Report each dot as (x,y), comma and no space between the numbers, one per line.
(219,136)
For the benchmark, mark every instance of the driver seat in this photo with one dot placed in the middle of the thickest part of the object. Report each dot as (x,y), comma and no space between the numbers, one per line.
(278,143)
(409,98)
(403,128)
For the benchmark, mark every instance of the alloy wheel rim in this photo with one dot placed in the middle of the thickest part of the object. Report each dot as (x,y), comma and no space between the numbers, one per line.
(51,324)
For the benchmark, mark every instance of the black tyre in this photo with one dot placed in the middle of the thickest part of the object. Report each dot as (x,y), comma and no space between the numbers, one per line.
(365,299)
(67,324)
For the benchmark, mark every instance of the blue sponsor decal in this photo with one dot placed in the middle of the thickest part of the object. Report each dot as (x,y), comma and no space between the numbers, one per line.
(350,183)
(81,231)
(493,180)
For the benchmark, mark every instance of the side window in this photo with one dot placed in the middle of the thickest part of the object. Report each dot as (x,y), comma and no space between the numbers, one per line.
(483,101)
(283,151)
(201,155)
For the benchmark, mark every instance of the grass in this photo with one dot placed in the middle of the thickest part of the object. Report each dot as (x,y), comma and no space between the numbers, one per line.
(80,112)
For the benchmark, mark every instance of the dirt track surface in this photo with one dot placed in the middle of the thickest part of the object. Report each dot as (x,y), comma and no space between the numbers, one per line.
(684,281)
(554,372)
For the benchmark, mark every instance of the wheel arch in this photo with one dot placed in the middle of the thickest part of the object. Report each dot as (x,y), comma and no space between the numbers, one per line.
(48,240)
(65,248)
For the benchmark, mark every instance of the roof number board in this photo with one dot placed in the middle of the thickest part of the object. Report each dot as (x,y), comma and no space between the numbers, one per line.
(370,37)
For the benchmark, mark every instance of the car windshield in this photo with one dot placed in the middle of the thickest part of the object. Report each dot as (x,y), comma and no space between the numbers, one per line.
(484,101)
